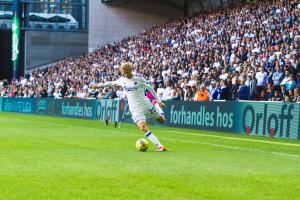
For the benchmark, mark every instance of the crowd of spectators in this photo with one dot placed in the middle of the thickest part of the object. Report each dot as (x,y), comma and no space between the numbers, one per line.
(248,52)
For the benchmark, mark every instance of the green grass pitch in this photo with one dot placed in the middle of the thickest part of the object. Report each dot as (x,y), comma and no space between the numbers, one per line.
(59,158)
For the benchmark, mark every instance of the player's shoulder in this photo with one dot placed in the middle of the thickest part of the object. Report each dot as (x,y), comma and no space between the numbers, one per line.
(121,79)
(139,78)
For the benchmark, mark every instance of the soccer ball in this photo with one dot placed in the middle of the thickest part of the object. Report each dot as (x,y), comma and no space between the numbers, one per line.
(142,144)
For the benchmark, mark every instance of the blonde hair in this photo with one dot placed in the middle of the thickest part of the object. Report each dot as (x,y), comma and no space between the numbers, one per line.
(126,66)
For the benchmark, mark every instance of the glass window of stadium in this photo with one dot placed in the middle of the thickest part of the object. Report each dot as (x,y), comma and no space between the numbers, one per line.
(63,15)
(5,14)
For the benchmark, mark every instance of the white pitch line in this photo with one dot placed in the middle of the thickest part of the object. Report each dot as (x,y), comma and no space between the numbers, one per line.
(235,148)
(234,138)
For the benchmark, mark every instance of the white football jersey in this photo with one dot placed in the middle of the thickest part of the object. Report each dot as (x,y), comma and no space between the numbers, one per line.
(135,91)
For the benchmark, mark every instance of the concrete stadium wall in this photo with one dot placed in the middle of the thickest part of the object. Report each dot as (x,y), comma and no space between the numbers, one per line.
(111,23)
(43,47)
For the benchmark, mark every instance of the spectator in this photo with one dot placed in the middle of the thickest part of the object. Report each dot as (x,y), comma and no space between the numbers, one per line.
(160,91)
(277,96)
(296,94)
(214,90)
(252,85)
(57,94)
(244,91)
(283,91)
(234,88)
(189,94)
(167,93)
(291,83)
(264,96)
(225,93)
(286,78)
(262,80)
(111,94)
(276,78)
(179,95)
(270,91)
(202,94)
(287,99)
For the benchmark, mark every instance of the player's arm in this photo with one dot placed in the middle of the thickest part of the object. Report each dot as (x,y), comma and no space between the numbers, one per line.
(106,84)
(161,104)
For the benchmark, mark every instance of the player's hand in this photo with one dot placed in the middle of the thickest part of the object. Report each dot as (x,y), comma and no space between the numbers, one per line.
(96,86)
(93,87)
(161,104)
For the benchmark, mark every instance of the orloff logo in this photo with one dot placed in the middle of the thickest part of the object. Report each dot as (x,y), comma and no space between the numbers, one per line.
(268,123)
(107,109)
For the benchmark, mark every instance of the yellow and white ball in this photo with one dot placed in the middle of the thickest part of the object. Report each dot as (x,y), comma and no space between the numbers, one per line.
(142,144)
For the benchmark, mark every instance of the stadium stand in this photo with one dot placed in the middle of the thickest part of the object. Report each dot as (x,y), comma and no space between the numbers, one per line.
(248,52)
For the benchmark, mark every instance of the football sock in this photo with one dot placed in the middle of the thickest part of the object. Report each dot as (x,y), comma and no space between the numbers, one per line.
(153,139)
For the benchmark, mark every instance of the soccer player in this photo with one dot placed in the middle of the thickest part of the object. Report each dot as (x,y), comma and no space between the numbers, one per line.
(139,104)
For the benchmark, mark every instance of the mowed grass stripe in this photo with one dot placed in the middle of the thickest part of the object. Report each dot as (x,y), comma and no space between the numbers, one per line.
(199,133)
(81,159)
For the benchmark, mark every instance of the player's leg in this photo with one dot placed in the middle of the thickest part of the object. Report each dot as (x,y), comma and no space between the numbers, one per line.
(139,118)
(142,124)
(158,113)
(152,111)
(161,119)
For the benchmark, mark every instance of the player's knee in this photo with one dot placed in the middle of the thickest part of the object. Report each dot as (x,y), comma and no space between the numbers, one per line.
(161,119)
(143,127)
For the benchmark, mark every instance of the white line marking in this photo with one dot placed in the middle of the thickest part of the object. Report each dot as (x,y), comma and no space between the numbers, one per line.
(234,138)
(235,148)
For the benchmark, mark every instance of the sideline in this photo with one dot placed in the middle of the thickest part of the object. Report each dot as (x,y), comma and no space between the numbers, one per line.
(234,138)
(234,148)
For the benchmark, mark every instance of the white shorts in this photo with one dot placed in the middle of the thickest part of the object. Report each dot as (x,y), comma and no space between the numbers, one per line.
(148,110)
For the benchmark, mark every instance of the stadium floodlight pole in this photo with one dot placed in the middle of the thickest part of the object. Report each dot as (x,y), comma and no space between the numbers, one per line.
(15,39)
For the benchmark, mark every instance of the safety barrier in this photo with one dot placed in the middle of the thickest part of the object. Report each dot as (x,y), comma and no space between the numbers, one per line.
(253,118)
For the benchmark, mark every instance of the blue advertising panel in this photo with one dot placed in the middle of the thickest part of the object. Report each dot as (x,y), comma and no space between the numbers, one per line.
(20,105)
(252,118)
(272,119)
